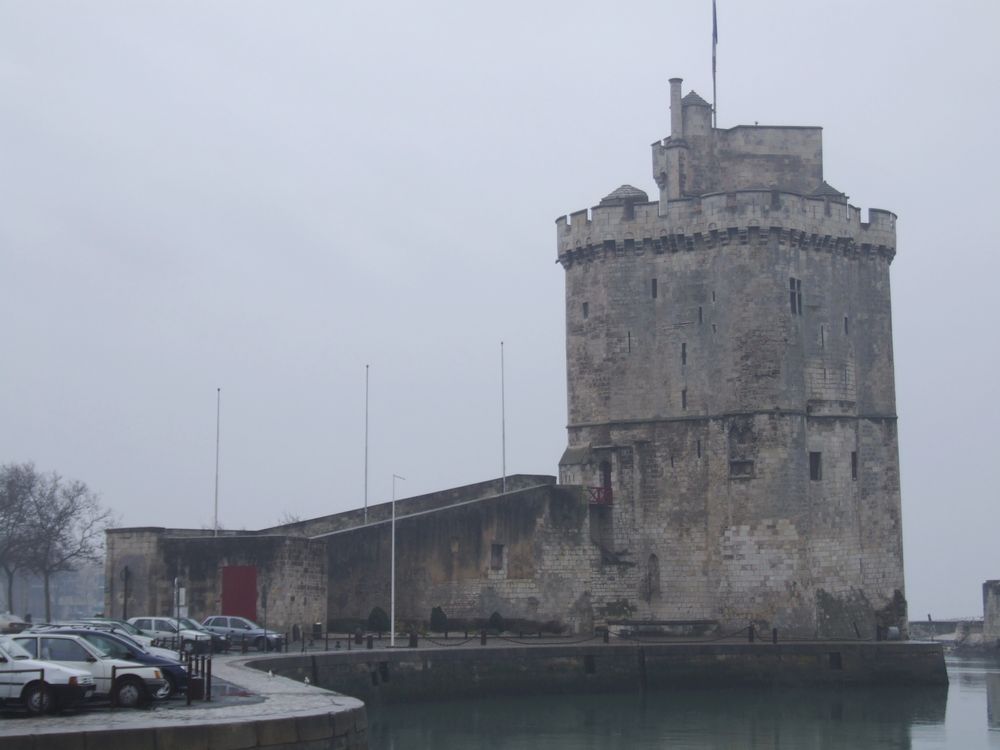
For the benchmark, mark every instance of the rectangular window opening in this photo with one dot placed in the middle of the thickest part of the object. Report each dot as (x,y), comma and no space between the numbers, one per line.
(713,296)
(701,317)
(586,310)
(496,557)
(740,469)
(699,449)
(847,326)
(822,337)
(652,288)
(684,353)
(815,466)
(684,399)
(854,465)
(795,295)
(630,341)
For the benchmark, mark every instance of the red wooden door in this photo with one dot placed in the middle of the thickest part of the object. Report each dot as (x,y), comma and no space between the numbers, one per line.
(239,591)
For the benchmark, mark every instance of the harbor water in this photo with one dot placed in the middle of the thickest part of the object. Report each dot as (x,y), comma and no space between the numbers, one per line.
(964,715)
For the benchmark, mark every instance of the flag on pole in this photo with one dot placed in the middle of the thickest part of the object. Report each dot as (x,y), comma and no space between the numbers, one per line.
(715,42)
(715,34)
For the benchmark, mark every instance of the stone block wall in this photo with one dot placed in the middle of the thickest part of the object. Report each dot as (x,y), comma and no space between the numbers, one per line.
(291,573)
(991,612)
(527,555)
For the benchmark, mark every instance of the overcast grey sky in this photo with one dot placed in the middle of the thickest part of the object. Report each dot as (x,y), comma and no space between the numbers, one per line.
(266,196)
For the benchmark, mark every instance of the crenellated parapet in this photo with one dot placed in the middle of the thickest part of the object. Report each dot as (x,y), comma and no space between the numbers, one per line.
(738,218)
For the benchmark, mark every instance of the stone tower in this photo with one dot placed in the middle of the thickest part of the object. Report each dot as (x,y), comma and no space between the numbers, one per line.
(731,388)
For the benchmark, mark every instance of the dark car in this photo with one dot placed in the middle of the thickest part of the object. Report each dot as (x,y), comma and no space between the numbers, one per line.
(219,642)
(122,647)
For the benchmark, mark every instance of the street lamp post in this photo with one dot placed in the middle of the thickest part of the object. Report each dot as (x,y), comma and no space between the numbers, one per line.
(392,564)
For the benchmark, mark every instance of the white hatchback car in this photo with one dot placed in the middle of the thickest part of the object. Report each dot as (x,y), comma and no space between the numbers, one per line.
(39,686)
(127,683)
(164,631)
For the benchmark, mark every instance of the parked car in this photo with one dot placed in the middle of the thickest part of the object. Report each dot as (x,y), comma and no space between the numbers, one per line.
(125,630)
(117,626)
(175,674)
(11,623)
(164,631)
(39,686)
(219,642)
(241,630)
(128,683)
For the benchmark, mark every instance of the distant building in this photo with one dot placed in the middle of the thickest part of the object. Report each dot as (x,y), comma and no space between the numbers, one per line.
(732,452)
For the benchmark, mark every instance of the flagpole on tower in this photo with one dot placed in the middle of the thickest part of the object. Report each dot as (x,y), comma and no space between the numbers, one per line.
(715,42)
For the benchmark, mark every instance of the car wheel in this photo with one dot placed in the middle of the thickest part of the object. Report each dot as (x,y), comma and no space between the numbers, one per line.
(168,689)
(129,692)
(37,698)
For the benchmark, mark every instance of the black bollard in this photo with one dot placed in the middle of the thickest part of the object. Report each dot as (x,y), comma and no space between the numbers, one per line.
(607,636)
(371,642)
(336,645)
(357,637)
(750,633)
(482,638)
(774,636)
(413,639)
(208,680)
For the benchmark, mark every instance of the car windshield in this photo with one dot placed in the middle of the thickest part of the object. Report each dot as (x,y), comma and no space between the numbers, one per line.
(107,646)
(128,628)
(190,624)
(123,637)
(12,650)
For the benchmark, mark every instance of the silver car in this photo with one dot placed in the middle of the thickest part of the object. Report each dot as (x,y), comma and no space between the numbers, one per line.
(241,630)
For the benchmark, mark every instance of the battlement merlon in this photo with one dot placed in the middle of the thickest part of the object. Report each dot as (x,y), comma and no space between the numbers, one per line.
(805,219)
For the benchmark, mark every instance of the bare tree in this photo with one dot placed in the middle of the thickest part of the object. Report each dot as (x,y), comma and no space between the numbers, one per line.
(16,483)
(61,524)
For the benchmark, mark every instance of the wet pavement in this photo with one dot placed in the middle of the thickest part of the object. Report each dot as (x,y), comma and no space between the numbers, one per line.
(239,694)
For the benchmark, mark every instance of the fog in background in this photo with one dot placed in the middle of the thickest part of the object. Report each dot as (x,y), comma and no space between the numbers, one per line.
(267,196)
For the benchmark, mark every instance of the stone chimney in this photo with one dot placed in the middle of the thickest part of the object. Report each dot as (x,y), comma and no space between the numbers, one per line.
(676,112)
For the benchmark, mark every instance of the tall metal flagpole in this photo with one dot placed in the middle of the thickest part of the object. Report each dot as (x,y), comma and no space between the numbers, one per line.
(715,42)
(366,443)
(503,424)
(218,417)
(392,577)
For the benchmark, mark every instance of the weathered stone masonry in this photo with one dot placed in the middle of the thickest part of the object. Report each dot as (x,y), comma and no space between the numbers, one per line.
(732,451)
(730,371)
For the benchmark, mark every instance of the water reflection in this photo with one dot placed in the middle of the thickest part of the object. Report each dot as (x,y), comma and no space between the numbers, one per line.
(766,719)
(993,700)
